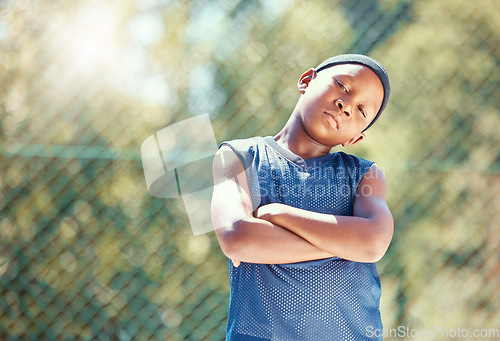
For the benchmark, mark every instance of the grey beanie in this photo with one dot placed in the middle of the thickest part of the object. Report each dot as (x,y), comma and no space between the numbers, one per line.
(369,62)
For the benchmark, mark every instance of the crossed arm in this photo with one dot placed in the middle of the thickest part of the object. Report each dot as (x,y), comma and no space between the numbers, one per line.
(277,233)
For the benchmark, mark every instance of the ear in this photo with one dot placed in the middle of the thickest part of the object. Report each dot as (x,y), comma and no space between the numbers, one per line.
(304,80)
(354,140)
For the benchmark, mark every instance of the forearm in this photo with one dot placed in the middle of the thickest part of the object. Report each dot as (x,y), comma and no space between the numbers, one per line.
(259,241)
(354,238)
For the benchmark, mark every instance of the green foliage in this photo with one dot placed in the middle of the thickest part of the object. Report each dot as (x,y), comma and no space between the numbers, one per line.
(86,253)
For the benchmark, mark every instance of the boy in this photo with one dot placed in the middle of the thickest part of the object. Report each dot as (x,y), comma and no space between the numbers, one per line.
(303,226)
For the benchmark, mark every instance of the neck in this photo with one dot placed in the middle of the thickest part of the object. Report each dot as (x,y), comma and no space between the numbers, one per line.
(295,138)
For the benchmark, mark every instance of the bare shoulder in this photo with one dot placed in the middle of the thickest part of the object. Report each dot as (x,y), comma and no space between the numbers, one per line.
(374,173)
(372,184)
(226,163)
(229,174)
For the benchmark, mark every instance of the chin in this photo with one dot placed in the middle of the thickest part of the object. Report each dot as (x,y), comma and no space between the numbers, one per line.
(326,141)
(323,135)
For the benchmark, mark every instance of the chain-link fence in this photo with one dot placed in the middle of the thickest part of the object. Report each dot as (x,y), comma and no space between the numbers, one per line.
(86,252)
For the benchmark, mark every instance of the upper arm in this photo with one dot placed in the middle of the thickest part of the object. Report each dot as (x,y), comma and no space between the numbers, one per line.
(231,201)
(370,203)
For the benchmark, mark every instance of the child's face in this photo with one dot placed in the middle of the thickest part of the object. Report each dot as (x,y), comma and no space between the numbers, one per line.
(338,103)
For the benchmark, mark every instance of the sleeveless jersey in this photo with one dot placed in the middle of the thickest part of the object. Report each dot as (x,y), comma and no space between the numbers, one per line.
(328,299)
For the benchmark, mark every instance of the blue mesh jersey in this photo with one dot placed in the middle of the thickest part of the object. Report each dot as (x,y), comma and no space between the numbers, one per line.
(328,299)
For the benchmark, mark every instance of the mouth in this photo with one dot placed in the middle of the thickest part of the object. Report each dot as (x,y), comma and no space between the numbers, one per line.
(334,121)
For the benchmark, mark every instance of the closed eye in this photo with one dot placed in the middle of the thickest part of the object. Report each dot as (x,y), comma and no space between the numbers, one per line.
(362,111)
(342,86)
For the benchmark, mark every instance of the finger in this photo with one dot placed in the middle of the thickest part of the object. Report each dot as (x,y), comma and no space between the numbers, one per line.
(256,213)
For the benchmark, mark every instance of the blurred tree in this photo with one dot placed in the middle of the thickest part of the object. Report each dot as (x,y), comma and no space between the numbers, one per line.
(86,252)
(372,24)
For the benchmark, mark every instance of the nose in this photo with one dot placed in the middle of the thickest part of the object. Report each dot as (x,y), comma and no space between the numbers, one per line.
(343,106)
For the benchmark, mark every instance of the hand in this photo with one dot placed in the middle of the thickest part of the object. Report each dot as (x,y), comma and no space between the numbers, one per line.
(236,263)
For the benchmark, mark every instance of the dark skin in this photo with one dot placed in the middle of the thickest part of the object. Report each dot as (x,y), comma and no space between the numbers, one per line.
(335,106)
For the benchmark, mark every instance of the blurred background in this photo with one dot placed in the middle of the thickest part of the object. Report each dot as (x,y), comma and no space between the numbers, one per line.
(87,253)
